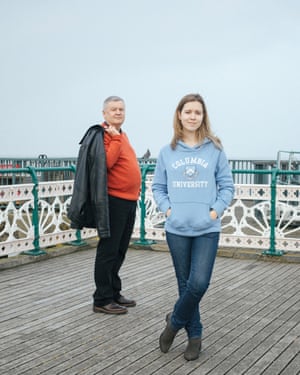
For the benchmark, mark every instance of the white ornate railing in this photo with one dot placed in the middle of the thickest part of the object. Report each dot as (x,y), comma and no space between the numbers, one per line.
(246,224)
(16,226)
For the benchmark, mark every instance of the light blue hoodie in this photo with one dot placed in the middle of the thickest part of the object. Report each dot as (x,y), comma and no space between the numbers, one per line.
(192,181)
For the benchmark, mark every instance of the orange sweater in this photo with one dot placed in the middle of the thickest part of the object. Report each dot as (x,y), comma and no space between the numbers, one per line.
(123,171)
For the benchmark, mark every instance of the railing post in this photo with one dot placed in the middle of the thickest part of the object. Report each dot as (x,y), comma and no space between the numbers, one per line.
(272,250)
(73,168)
(78,241)
(143,241)
(35,216)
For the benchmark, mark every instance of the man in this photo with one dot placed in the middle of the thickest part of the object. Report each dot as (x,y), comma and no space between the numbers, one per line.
(123,187)
(112,212)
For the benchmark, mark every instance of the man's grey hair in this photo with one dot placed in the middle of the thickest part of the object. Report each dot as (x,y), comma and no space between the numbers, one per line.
(113,98)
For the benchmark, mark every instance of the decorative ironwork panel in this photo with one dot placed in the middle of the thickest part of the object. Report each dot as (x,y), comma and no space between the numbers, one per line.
(16,231)
(246,223)
(55,188)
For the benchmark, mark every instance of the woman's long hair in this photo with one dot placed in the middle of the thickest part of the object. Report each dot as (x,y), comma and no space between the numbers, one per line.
(204,131)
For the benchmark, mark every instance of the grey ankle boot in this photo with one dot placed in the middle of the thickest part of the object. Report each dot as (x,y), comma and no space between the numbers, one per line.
(193,349)
(167,336)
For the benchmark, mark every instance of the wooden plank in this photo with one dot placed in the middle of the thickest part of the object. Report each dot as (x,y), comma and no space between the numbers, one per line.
(250,316)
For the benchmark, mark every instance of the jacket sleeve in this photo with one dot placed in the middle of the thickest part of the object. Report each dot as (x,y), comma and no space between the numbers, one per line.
(98,186)
(76,209)
(89,202)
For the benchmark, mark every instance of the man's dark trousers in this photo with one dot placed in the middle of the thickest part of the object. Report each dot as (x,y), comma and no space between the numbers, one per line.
(111,251)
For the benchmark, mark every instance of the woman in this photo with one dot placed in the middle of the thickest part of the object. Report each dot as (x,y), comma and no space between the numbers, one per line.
(193,185)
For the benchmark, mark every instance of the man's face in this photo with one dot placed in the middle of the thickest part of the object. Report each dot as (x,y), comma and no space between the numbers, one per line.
(114,113)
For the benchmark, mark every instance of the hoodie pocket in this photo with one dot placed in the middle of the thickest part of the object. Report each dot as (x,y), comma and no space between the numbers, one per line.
(190,216)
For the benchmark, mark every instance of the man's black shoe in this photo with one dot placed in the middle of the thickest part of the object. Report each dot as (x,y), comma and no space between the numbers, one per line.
(122,301)
(112,308)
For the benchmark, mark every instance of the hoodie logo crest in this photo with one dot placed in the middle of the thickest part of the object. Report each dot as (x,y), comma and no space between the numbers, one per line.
(190,171)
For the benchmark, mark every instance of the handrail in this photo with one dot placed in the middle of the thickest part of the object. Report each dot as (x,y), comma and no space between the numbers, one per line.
(145,169)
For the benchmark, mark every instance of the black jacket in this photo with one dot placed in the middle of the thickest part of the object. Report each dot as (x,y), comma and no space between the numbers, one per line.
(89,203)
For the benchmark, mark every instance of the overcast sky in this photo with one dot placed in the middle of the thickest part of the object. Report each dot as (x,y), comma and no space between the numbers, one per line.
(61,58)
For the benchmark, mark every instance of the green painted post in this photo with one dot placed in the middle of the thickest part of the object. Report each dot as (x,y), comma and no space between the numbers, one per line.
(272,250)
(78,241)
(143,241)
(73,168)
(35,216)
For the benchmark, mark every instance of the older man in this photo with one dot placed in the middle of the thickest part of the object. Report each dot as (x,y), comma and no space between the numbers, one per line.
(123,187)
(106,198)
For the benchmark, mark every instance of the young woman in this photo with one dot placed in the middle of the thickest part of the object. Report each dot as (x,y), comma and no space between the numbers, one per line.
(193,185)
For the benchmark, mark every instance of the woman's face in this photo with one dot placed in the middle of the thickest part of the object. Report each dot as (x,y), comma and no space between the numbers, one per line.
(191,116)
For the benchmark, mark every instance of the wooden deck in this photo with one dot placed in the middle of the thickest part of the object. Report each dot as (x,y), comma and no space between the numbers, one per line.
(251,317)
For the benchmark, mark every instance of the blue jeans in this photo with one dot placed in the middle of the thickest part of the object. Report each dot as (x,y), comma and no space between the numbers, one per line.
(193,259)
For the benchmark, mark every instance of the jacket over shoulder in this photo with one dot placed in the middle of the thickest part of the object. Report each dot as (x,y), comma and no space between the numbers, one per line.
(89,203)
